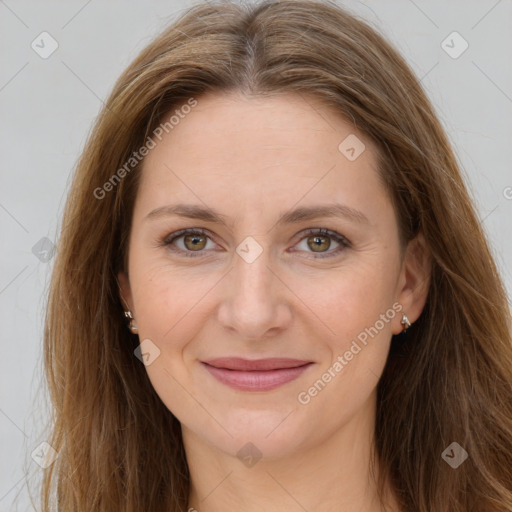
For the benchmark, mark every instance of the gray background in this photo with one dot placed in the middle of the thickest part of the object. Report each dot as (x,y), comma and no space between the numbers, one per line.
(47,107)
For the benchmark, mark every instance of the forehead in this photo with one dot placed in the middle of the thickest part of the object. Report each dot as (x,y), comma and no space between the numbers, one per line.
(223,127)
(256,152)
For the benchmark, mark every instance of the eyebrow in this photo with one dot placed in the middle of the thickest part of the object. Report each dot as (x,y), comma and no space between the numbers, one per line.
(296,215)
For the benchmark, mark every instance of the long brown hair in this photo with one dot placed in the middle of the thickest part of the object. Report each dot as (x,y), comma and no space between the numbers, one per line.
(449,379)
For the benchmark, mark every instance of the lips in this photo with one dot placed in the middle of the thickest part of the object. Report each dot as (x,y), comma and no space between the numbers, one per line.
(237,363)
(257,374)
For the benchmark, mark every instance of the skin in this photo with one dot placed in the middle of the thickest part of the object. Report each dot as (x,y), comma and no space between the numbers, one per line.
(253,159)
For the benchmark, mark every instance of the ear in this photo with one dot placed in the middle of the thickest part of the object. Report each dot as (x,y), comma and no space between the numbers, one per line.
(413,281)
(125,291)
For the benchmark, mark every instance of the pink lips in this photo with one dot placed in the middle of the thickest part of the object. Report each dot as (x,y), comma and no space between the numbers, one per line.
(255,375)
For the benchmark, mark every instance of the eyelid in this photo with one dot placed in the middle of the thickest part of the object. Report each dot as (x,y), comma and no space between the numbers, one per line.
(340,239)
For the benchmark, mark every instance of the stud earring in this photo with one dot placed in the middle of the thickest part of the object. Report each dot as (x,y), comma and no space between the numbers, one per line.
(131,326)
(405,322)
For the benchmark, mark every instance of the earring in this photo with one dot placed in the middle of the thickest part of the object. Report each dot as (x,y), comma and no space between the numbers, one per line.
(131,326)
(405,322)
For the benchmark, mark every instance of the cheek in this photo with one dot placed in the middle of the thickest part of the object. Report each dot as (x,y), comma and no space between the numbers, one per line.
(168,305)
(171,312)
(350,299)
(359,312)
(172,306)
(355,306)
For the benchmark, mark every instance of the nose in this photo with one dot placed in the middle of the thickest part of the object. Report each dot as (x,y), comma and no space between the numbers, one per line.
(255,304)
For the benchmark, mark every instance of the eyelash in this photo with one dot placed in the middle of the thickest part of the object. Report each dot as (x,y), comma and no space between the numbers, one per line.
(344,243)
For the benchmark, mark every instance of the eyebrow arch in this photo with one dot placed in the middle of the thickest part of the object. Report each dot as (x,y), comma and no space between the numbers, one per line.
(300,214)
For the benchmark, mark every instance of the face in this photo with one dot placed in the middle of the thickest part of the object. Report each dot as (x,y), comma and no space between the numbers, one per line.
(267,320)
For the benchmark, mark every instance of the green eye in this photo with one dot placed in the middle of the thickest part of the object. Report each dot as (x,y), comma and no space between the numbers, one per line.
(317,240)
(194,241)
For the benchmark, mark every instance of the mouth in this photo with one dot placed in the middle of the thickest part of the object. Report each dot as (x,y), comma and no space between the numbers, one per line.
(255,375)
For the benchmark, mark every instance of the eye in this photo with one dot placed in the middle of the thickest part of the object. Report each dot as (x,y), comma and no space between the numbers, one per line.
(319,241)
(192,242)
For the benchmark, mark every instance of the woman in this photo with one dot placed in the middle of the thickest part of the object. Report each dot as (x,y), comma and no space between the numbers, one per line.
(315,321)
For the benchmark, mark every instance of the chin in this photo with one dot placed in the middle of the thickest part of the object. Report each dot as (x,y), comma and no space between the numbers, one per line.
(271,434)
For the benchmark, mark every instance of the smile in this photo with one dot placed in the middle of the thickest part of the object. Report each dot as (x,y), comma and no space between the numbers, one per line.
(255,375)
